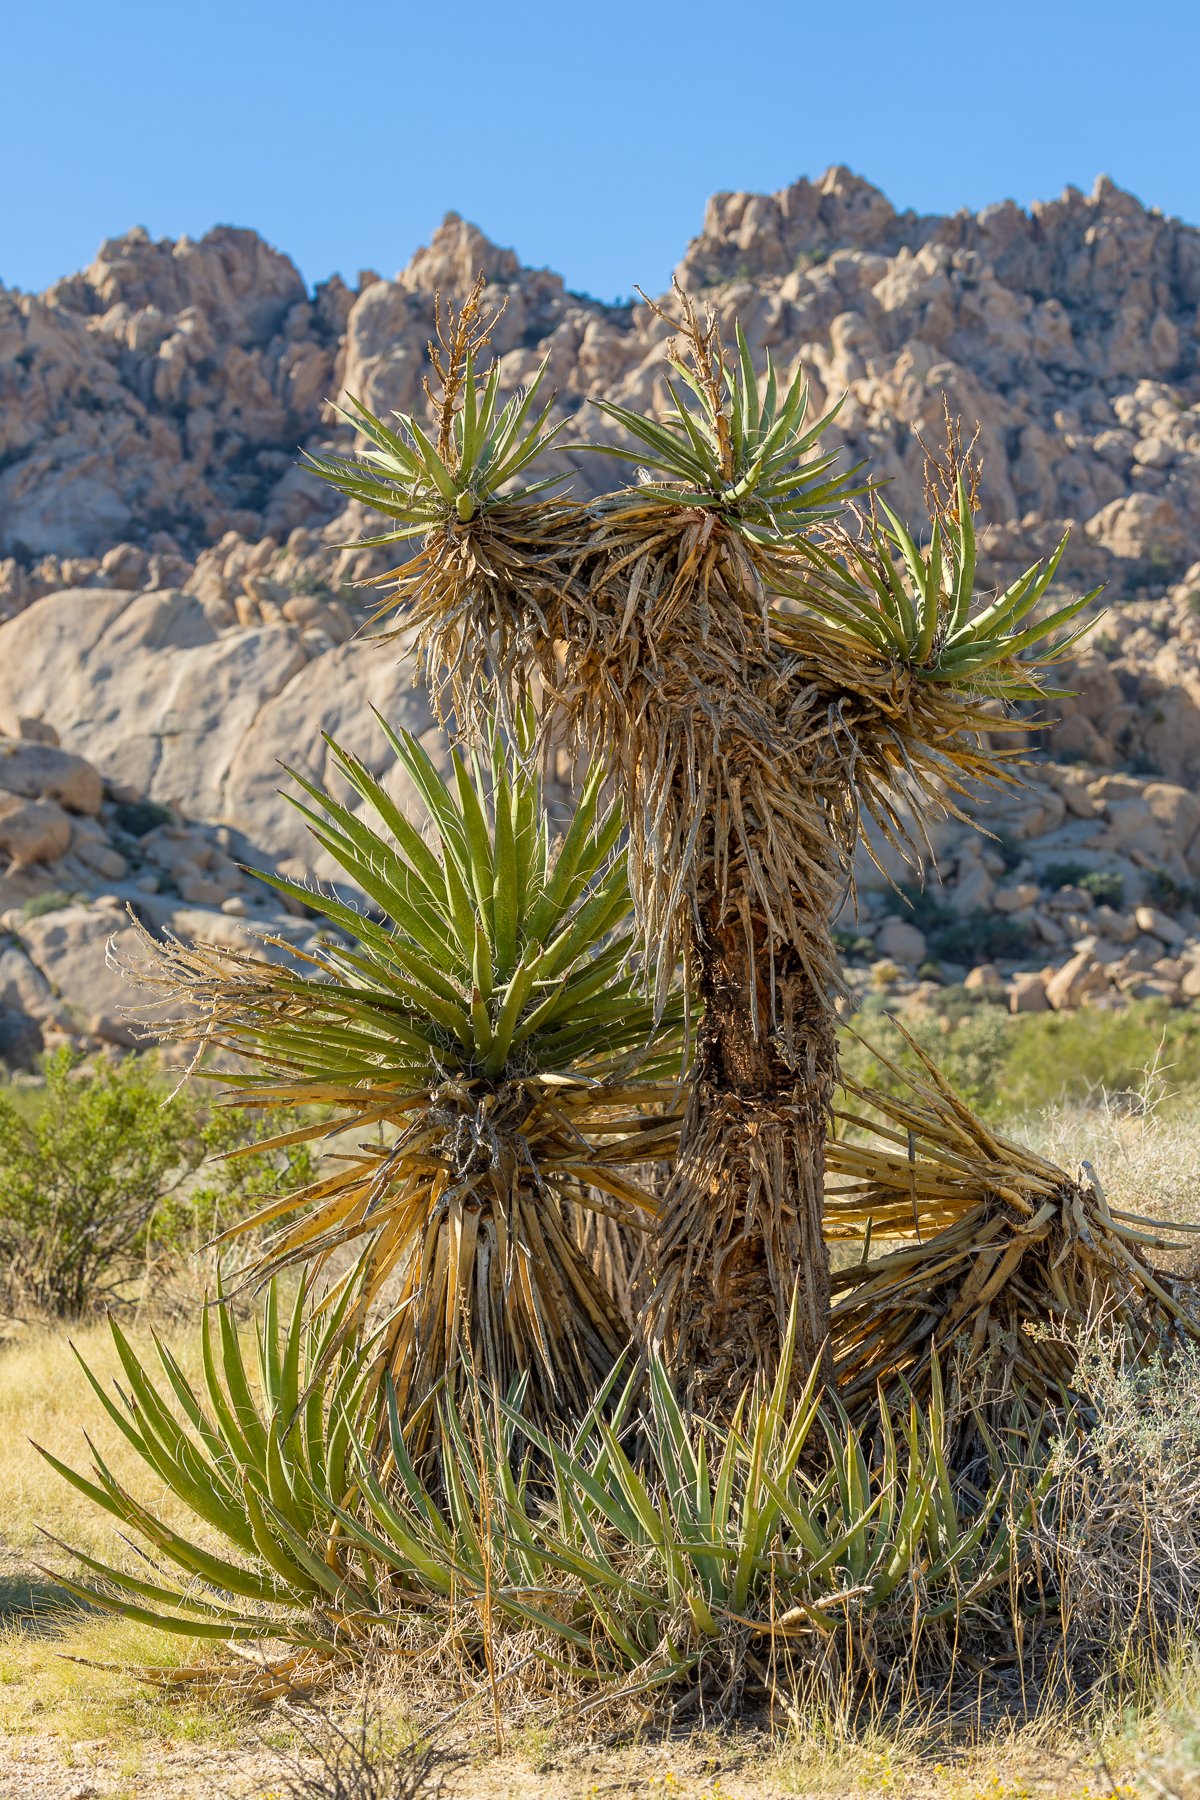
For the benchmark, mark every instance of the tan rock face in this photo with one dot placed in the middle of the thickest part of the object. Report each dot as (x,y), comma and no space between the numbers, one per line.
(166,387)
(33,831)
(194,717)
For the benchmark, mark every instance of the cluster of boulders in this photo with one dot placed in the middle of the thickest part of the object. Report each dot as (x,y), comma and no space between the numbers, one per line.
(304,580)
(141,767)
(80,857)
(158,398)
(1133,686)
(1079,889)
(143,744)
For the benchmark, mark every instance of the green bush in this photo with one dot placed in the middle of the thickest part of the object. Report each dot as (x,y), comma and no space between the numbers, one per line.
(851,943)
(1057,875)
(101,1177)
(137,817)
(980,937)
(972,1045)
(1172,896)
(1004,1065)
(1106,887)
(41,904)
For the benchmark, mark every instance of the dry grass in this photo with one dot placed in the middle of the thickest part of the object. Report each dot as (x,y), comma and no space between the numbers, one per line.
(44,1400)
(1149,1159)
(1128,1545)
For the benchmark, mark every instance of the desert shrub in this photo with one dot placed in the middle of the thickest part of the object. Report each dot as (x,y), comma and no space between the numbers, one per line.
(850,943)
(1006,1066)
(361,1759)
(1106,887)
(919,906)
(971,1043)
(137,817)
(40,904)
(99,1179)
(1169,895)
(1118,1534)
(1011,849)
(980,937)
(1057,875)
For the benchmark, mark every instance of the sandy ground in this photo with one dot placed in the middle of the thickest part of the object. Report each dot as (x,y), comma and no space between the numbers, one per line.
(33,1768)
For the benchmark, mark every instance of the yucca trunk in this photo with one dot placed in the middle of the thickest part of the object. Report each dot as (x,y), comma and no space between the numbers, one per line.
(742,1230)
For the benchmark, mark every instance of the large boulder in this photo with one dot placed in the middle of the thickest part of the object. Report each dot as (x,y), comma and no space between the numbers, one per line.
(196,715)
(32,831)
(70,950)
(39,771)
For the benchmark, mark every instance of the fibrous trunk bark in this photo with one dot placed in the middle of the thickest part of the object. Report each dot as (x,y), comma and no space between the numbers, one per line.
(742,1238)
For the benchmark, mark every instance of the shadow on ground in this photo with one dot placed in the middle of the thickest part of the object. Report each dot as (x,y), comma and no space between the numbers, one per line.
(36,1604)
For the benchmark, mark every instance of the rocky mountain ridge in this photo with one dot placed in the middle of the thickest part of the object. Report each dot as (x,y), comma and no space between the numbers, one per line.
(180,607)
(159,397)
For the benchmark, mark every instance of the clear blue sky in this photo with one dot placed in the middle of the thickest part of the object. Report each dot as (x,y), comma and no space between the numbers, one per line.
(586,136)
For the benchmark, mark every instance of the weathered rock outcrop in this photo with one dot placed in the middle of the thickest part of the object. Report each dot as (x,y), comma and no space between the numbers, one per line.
(191,712)
(181,604)
(157,398)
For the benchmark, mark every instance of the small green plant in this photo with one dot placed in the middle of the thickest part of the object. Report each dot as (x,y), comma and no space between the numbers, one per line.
(1171,896)
(1011,849)
(137,817)
(980,937)
(1058,875)
(1106,887)
(851,943)
(1004,1065)
(40,904)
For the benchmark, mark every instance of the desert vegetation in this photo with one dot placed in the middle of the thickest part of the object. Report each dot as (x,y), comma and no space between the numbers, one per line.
(601,1331)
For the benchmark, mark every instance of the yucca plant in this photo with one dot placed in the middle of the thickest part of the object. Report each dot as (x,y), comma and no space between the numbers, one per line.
(756,676)
(483,528)
(787,1527)
(728,448)
(251,1452)
(917,608)
(726,1548)
(483,1022)
(481,445)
